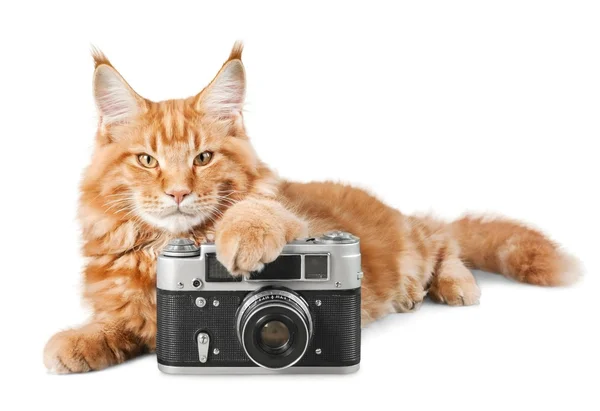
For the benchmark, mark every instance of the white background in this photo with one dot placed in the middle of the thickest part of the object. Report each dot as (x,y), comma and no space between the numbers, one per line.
(436,106)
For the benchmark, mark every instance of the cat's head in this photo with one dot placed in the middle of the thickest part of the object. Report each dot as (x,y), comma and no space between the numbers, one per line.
(174,164)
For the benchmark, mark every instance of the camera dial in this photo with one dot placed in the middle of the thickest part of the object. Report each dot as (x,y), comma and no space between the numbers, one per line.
(274,326)
(338,237)
(181,247)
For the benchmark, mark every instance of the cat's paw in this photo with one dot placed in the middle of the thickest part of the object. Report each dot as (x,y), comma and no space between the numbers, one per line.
(76,351)
(253,233)
(410,297)
(461,290)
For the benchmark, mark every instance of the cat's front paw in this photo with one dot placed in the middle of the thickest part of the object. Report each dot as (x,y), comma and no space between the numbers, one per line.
(455,291)
(77,350)
(253,233)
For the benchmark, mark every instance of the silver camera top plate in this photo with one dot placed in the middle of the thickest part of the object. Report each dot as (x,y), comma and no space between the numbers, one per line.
(182,265)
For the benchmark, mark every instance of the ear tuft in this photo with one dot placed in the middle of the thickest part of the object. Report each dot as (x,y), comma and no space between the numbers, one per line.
(236,51)
(99,57)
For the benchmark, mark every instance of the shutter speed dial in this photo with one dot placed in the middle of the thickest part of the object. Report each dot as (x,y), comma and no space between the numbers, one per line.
(339,237)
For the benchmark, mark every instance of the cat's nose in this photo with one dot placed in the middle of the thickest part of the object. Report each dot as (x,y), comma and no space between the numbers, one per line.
(178,195)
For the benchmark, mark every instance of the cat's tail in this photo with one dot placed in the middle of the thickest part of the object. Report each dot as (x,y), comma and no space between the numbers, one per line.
(514,250)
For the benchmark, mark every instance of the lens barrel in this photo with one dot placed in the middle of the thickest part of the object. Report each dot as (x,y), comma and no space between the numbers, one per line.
(274,326)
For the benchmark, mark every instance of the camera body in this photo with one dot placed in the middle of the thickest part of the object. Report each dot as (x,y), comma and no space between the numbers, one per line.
(300,314)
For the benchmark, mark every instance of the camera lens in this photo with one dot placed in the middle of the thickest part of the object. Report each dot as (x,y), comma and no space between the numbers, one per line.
(274,326)
(274,335)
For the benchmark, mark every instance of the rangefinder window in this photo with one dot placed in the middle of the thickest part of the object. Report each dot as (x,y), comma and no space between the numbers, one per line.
(315,267)
(285,267)
(216,272)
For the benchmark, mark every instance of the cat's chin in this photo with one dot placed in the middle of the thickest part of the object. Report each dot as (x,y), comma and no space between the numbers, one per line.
(175,223)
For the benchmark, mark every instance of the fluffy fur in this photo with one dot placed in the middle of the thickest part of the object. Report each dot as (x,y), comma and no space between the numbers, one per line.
(129,211)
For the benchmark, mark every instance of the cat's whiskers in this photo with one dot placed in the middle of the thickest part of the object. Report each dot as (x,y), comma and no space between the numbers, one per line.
(118,200)
(117,204)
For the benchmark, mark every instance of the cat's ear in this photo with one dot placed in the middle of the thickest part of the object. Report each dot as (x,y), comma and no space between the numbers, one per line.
(224,96)
(116,101)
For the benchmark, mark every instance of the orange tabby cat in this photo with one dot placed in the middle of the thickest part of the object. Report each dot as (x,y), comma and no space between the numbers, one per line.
(187,168)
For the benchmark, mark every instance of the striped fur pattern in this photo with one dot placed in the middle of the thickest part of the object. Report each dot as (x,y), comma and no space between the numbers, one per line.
(145,185)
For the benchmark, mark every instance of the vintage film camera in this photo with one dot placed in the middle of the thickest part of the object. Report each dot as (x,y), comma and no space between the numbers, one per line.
(300,314)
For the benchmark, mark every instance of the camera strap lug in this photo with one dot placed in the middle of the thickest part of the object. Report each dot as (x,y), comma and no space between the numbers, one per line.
(203,340)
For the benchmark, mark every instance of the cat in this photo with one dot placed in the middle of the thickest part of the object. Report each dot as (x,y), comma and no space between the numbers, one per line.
(187,168)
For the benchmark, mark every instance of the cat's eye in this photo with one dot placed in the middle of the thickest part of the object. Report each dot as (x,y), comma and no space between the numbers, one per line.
(203,158)
(147,161)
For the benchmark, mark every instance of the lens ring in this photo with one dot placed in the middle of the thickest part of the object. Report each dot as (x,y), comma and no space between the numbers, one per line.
(269,306)
(291,354)
(268,293)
